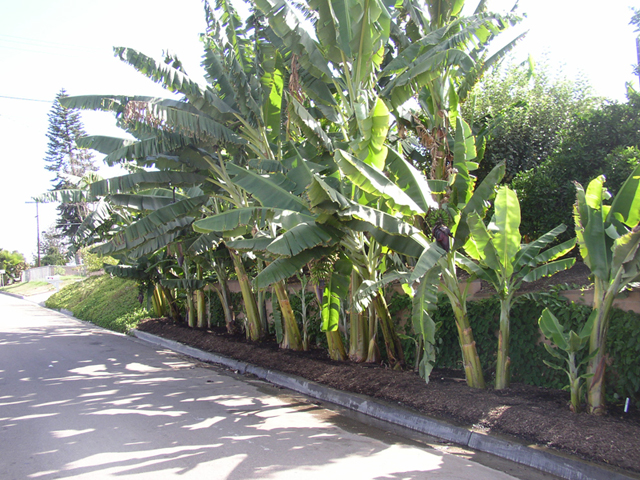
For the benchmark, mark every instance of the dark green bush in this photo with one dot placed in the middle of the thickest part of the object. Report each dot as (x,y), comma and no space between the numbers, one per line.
(526,350)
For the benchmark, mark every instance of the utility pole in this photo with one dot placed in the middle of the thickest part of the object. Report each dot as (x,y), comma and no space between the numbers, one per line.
(638,55)
(38,228)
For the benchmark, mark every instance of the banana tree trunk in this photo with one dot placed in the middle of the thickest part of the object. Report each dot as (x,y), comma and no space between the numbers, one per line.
(391,340)
(336,346)
(191,311)
(173,307)
(458,300)
(359,339)
(602,301)
(292,339)
(503,367)
(159,302)
(253,326)
(373,352)
(200,303)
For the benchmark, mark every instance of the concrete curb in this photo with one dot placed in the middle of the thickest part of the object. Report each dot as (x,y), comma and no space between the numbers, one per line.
(564,467)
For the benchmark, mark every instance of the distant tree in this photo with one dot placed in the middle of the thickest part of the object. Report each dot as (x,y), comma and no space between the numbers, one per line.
(523,112)
(635,21)
(69,162)
(53,249)
(13,263)
(605,141)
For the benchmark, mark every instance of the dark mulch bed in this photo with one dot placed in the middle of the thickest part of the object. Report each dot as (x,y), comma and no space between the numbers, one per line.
(532,414)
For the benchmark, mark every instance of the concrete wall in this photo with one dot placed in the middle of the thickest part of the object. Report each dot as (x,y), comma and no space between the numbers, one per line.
(41,273)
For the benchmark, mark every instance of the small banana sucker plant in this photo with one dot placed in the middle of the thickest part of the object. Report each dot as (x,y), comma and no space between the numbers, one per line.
(571,343)
(609,241)
(497,257)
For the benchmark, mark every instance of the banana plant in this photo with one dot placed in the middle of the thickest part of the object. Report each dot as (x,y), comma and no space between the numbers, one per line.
(497,257)
(571,343)
(609,241)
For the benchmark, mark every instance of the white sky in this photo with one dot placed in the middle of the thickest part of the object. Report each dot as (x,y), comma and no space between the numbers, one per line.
(46,45)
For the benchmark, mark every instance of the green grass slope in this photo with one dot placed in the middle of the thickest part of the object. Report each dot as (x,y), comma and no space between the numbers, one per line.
(108,302)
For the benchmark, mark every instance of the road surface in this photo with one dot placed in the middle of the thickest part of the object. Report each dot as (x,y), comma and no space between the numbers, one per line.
(80,402)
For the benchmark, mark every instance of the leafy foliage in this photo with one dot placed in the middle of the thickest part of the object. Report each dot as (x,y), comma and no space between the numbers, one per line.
(525,113)
(13,263)
(601,141)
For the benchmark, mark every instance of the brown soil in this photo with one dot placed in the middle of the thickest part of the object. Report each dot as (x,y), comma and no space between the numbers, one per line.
(532,414)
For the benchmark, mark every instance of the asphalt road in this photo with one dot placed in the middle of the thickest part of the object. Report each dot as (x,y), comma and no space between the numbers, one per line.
(80,402)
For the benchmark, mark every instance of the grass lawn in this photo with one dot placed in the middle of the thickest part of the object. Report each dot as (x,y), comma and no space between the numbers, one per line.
(39,286)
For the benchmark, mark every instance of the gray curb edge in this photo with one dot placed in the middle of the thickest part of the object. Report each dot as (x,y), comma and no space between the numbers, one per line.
(568,468)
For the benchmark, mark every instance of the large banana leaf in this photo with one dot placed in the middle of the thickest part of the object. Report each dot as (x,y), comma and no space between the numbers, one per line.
(424,304)
(478,203)
(368,289)
(427,261)
(285,24)
(140,202)
(133,272)
(175,80)
(268,190)
(181,116)
(164,215)
(379,219)
(302,237)
(117,149)
(626,255)
(412,246)
(549,269)
(411,181)
(156,239)
(374,127)
(256,244)
(64,196)
(595,240)
(505,228)
(234,218)
(464,152)
(204,243)
(555,252)
(335,291)
(373,181)
(309,125)
(482,247)
(527,254)
(128,183)
(321,196)
(626,204)
(283,268)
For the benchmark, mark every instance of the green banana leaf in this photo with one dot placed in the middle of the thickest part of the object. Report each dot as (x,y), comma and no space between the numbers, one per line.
(505,228)
(140,202)
(412,182)
(373,181)
(128,183)
(302,237)
(549,269)
(164,215)
(528,253)
(335,291)
(284,268)
(268,190)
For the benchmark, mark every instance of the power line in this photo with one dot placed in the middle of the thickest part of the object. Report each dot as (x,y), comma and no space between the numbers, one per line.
(27,99)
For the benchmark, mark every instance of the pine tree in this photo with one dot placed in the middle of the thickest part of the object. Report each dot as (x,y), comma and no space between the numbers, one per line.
(66,159)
